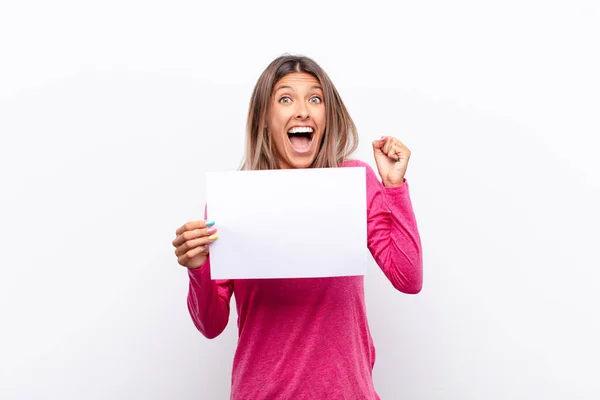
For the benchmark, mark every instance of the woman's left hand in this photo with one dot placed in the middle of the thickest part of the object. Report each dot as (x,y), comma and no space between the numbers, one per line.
(391,157)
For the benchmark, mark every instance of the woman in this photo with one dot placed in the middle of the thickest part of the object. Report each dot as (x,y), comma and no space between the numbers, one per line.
(306,338)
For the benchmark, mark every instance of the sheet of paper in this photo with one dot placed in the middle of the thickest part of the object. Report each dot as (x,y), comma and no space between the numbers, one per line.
(294,223)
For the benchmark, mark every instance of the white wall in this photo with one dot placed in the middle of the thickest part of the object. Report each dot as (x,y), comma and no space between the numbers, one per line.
(111,111)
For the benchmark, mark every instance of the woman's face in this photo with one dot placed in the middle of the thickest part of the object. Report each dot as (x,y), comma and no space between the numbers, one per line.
(296,119)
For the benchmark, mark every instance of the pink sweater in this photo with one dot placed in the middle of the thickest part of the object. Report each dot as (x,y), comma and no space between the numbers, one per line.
(309,338)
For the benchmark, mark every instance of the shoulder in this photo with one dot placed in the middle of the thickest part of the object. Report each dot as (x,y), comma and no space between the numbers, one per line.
(357,163)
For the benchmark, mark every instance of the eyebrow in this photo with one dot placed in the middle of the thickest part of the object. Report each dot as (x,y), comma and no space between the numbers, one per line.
(289,87)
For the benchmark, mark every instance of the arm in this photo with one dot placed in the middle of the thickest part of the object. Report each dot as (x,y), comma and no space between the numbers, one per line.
(392,234)
(208,301)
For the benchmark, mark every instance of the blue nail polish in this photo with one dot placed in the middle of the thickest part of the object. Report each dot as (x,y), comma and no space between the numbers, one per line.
(210,223)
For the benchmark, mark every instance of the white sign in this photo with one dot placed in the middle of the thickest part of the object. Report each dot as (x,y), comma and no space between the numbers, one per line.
(293,223)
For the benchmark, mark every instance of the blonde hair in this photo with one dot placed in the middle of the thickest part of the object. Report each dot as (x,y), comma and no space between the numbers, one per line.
(340,138)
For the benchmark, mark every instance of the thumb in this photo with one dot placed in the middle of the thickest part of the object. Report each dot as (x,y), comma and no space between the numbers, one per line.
(378,144)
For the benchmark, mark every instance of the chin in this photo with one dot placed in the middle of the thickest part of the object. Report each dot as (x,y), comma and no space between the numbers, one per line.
(295,162)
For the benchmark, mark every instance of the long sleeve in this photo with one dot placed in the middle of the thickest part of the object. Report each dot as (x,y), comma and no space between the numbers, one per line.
(392,234)
(208,301)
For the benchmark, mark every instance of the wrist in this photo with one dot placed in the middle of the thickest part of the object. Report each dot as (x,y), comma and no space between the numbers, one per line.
(391,184)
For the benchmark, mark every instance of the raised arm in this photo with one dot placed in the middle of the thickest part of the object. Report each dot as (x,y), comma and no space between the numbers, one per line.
(392,234)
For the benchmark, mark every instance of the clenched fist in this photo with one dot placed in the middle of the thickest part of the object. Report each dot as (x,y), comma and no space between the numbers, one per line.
(391,157)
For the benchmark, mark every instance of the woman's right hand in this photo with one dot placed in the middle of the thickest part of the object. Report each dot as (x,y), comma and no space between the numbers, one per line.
(191,243)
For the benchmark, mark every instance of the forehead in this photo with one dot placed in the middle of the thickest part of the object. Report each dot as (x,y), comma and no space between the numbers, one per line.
(297,80)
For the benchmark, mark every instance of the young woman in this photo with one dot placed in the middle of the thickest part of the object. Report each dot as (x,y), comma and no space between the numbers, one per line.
(306,338)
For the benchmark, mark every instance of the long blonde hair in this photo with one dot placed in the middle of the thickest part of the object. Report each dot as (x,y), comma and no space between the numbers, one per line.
(340,138)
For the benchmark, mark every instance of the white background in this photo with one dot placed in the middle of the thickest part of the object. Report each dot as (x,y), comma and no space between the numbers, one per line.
(110,112)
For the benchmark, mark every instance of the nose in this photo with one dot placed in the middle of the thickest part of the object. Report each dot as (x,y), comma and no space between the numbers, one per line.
(301,111)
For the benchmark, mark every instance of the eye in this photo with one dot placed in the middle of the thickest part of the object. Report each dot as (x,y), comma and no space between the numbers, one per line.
(316,100)
(285,99)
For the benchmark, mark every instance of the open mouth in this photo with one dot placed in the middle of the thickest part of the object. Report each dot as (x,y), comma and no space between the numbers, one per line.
(301,138)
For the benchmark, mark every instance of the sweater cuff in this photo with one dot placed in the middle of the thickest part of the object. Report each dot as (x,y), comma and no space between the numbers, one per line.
(397,190)
(398,197)
(201,275)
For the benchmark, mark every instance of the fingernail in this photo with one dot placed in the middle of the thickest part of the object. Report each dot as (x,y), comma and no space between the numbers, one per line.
(382,139)
(211,231)
(213,237)
(210,223)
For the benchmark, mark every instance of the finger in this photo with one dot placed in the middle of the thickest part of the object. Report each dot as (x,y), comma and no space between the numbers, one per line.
(191,226)
(185,258)
(192,244)
(394,152)
(378,144)
(397,142)
(189,235)
(388,148)
(389,142)
(402,149)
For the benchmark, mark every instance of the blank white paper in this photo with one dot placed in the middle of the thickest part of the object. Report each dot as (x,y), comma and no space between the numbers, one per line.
(295,223)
